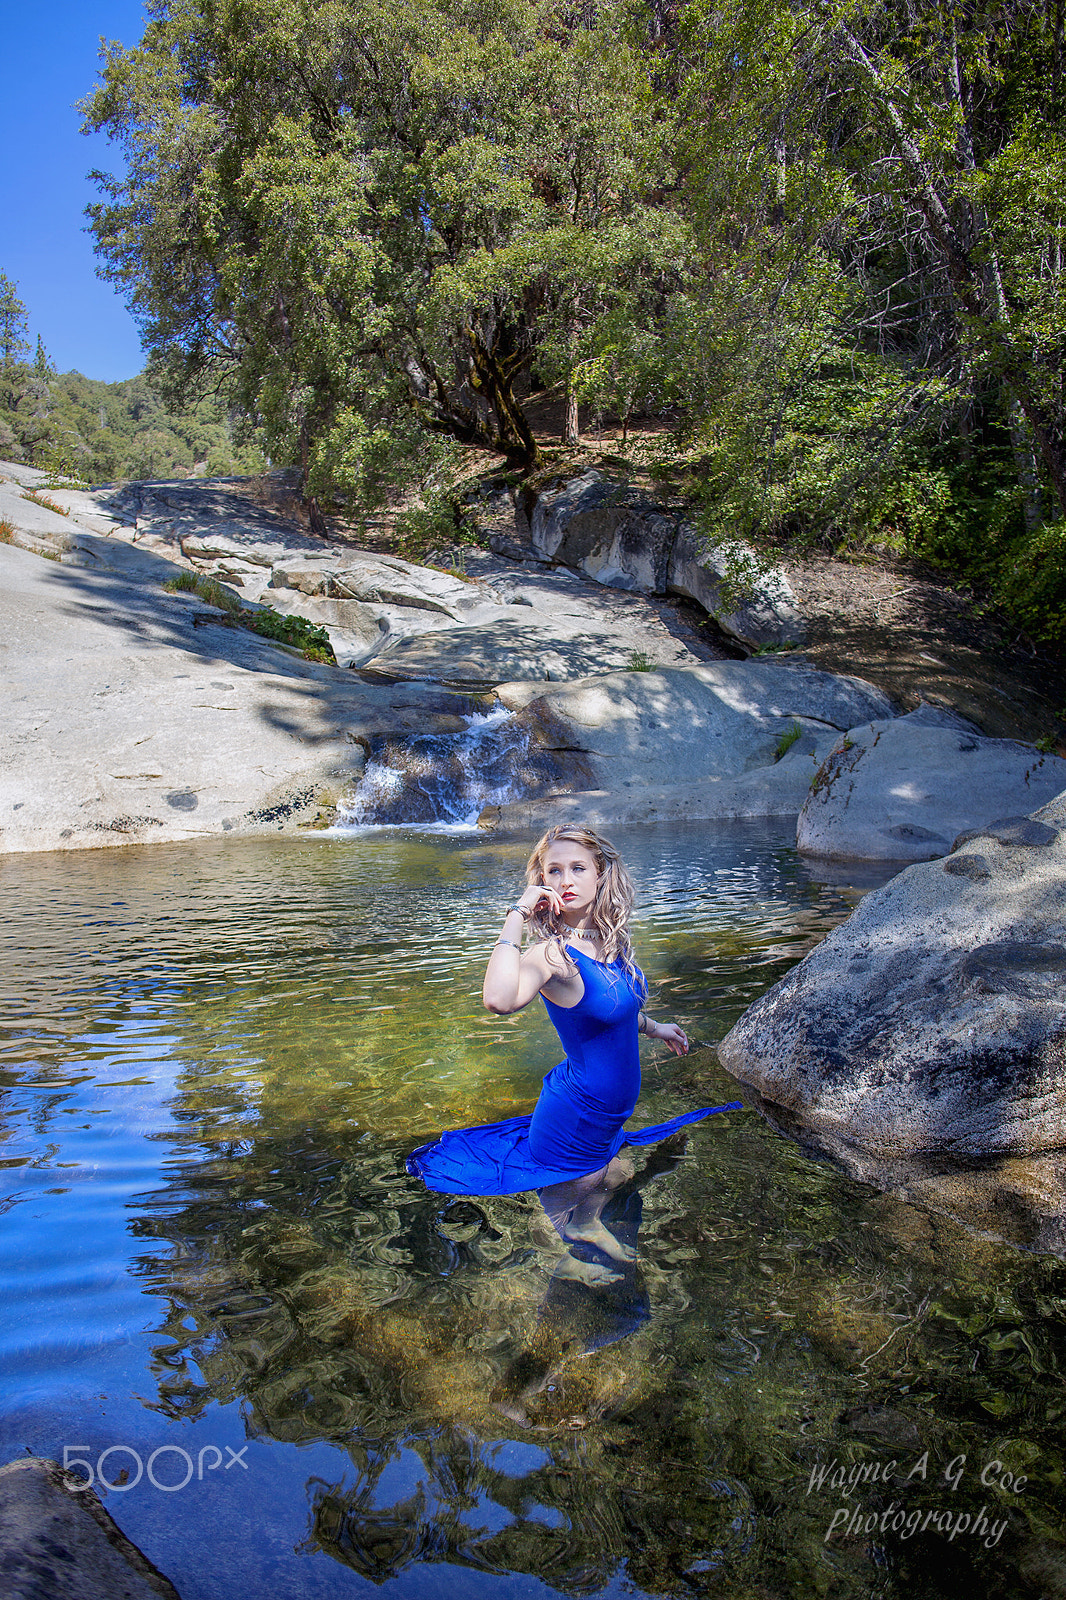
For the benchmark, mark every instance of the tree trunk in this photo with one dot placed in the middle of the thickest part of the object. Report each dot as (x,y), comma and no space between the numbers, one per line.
(977,292)
(570,434)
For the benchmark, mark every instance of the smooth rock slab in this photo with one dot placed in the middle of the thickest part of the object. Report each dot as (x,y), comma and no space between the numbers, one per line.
(772,791)
(904,790)
(932,1022)
(136,716)
(56,1544)
(620,537)
(516,646)
(716,719)
(383,580)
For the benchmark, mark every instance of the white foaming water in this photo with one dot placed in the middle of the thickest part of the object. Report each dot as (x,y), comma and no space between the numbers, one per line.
(441,782)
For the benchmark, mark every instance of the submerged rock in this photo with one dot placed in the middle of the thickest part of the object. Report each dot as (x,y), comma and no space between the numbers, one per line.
(902,790)
(59,1544)
(933,1022)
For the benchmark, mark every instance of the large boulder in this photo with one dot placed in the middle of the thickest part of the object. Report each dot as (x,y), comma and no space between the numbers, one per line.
(620,537)
(60,1544)
(715,719)
(931,1024)
(777,790)
(902,790)
(383,580)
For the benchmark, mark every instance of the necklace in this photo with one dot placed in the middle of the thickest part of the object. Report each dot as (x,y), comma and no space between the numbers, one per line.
(581,933)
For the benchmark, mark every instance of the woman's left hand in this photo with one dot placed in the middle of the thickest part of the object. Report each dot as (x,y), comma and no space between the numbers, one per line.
(673,1036)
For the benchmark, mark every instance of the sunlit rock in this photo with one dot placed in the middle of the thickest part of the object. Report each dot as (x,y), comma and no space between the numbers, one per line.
(622,538)
(933,1022)
(902,790)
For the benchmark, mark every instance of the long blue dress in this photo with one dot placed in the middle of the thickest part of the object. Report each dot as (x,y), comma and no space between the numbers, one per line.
(577,1124)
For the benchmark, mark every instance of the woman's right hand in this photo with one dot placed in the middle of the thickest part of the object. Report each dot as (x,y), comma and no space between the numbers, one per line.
(537,892)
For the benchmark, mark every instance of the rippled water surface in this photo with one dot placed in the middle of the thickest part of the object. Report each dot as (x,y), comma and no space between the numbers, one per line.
(214,1059)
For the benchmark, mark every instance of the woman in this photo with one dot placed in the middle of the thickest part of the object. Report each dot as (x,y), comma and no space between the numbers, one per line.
(576,905)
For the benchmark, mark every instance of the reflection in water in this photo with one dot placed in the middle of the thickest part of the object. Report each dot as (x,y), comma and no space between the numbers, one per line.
(216,1060)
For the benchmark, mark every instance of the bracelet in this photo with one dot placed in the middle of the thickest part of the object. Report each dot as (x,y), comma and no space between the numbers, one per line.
(511,942)
(642,1022)
(523,911)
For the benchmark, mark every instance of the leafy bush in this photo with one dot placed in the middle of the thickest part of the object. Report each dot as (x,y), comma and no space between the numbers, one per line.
(307,637)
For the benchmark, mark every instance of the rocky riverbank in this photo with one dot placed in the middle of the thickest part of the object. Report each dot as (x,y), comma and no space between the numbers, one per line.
(141,713)
(922,1044)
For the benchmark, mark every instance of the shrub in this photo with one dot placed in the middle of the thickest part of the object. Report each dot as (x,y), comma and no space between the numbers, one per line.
(787,740)
(307,637)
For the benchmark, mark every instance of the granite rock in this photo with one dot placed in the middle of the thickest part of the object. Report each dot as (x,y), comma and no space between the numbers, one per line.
(903,790)
(933,1021)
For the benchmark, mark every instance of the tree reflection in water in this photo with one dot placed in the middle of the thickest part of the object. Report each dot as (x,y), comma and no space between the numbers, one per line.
(493,1421)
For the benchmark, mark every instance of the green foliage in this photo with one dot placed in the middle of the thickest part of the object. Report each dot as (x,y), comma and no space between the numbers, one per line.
(428,525)
(793,732)
(209,589)
(1031,583)
(640,661)
(370,223)
(307,637)
(877,350)
(825,241)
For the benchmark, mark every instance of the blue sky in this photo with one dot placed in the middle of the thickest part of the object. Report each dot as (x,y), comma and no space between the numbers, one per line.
(52,52)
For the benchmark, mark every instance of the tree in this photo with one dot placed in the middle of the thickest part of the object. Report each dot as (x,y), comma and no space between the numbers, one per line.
(881,189)
(370,221)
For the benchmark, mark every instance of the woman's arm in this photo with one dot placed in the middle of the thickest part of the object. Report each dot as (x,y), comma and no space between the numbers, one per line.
(514,976)
(668,1032)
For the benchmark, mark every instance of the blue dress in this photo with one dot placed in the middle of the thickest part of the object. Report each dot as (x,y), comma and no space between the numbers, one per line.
(577,1124)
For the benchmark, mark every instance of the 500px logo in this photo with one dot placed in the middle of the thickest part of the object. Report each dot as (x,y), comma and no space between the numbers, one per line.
(123,1481)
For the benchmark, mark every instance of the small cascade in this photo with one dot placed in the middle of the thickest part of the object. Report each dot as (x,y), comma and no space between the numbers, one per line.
(448,778)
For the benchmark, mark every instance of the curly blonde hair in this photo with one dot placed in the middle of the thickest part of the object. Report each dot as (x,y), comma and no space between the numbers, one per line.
(610,910)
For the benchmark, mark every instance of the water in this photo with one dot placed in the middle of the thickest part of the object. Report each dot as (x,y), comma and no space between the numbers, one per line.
(214,1059)
(449,778)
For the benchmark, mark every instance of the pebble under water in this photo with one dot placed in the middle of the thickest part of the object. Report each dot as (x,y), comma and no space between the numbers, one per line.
(302,1375)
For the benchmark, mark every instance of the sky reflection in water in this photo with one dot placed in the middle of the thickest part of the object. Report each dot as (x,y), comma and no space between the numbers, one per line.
(215,1058)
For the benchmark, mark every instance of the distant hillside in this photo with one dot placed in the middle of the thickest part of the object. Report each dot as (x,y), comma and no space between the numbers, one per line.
(97,431)
(79,427)
(123,430)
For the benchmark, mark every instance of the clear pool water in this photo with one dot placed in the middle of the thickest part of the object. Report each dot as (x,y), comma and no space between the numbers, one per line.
(214,1059)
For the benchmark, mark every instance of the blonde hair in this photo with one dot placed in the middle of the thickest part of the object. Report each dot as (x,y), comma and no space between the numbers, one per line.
(612,906)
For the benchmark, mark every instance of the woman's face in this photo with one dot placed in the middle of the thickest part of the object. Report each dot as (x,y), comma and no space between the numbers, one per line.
(570,869)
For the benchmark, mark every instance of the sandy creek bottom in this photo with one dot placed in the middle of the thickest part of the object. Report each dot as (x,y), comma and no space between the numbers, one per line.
(215,1057)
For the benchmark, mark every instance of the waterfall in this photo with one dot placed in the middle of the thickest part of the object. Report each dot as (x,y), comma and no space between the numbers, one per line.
(447,779)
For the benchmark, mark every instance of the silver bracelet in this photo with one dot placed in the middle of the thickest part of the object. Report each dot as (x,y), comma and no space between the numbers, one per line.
(523,911)
(511,942)
(642,1022)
